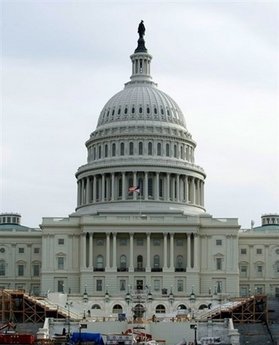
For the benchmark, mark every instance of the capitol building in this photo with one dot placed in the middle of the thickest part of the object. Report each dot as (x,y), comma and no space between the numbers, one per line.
(140,225)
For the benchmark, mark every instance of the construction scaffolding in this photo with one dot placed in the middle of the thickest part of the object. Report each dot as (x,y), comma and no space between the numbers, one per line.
(18,307)
(245,310)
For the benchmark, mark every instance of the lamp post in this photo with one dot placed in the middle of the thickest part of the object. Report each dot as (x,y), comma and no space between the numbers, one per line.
(195,327)
(68,305)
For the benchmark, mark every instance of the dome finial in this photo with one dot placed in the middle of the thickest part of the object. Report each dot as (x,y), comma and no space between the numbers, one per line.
(141,42)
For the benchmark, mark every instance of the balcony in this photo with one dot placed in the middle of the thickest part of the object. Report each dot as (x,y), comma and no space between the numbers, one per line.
(97,269)
(139,269)
(179,269)
(122,269)
(156,269)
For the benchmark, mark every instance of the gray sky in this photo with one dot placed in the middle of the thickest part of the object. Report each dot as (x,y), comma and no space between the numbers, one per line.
(62,61)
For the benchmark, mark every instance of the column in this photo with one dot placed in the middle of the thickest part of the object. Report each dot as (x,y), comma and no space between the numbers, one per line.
(173,188)
(87,190)
(148,269)
(202,193)
(145,185)
(168,186)
(198,192)
(103,187)
(172,251)
(78,193)
(90,250)
(186,189)
(134,184)
(177,188)
(192,194)
(94,189)
(112,186)
(114,266)
(123,186)
(157,186)
(107,250)
(165,250)
(83,250)
(196,252)
(188,251)
(131,268)
(82,191)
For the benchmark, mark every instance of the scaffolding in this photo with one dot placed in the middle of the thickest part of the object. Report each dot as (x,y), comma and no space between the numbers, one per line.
(18,307)
(245,310)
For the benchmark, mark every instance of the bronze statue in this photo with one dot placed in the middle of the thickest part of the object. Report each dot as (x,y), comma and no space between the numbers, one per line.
(141,29)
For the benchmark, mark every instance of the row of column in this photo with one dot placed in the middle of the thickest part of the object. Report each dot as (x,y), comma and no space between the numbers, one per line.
(155,186)
(191,252)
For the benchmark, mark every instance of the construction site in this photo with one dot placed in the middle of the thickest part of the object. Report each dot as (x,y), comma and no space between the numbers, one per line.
(256,317)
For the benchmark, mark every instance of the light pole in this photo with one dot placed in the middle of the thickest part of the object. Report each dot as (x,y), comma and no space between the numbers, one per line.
(195,327)
(68,305)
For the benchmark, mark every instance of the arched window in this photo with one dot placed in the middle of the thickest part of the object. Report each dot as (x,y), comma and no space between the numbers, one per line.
(100,151)
(122,149)
(167,150)
(140,148)
(175,151)
(95,306)
(150,187)
(117,309)
(106,150)
(2,268)
(123,262)
(139,262)
(160,309)
(94,153)
(100,262)
(179,261)
(131,148)
(159,151)
(156,261)
(182,307)
(113,150)
(150,148)
(140,110)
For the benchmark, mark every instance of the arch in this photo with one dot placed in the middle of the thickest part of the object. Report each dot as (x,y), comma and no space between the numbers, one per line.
(150,148)
(117,309)
(106,150)
(139,262)
(113,150)
(123,262)
(203,306)
(179,261)
(159,150)
(131,148)
(140,148)
(95,306)
(122,149)
(182,307)
(100,262)
(160,309)
(167,150)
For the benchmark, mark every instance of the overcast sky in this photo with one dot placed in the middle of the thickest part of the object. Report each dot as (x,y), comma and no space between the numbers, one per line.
(62,61)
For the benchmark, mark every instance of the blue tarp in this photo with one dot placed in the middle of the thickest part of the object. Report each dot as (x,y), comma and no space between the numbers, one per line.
(77,337)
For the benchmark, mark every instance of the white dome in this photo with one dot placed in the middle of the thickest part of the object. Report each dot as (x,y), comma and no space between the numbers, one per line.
(141,101)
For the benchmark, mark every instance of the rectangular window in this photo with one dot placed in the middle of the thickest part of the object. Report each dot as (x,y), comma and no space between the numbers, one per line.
(36,270)
(36,250)
(21,250)
(218,264)
(60,286)
(180,287)
(243,271)
(60,262)
(60,241)
(99,285)
(20,270)
(259,251)
(139,241)
(156,242)
(179,243)
(218,242)
(100,242)
(157,285)
(243,251)
(123,241)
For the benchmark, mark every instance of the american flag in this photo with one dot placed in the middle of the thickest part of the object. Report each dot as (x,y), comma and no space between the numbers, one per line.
(134,189)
